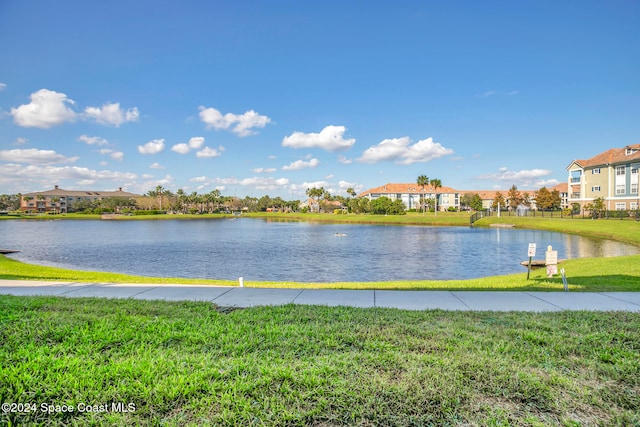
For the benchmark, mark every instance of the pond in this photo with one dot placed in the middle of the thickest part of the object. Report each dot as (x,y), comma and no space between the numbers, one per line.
(261,250)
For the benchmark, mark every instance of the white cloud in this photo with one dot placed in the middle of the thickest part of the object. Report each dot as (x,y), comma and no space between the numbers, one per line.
(198,179)
(21,141)
(208,152)
(242,124)
(403,152)
(46,109)
(301,164)
(156,166)
(256,183)
(115,155)
(26,178)
(194,143)
(331,138)
(344,160)
(34,156)
(3,86)
(181,148)
(152,147)
(112,114)
(264,170)
(523,178)
(93,140)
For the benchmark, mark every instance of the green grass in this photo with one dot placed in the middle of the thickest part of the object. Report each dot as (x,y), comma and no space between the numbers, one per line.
(589,274)
(189,364)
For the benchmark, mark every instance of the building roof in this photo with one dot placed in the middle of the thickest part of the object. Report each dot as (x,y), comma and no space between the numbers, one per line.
(82,193)
(611,156)
(393,188)
(563,187)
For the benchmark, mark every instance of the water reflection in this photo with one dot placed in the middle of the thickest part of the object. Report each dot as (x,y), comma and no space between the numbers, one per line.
(289,251)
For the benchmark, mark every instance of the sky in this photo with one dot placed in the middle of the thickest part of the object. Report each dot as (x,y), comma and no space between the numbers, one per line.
(274,97)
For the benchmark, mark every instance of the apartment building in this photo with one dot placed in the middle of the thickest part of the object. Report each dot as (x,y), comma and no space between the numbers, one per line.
(62,201)
(411,194)
(611,175)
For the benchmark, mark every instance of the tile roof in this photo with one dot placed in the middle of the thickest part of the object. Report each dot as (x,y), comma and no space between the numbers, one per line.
(612,156)
(81,193)
(413,188)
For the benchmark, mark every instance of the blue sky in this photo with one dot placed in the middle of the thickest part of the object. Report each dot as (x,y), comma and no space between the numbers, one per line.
(274,97)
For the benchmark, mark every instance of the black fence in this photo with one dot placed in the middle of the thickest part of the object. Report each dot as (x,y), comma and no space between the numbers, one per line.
(604,214)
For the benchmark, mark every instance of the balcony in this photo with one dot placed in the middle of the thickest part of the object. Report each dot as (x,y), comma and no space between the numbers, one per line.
(575,195)
(575,180)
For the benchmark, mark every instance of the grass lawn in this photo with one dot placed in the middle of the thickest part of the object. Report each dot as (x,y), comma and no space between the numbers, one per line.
(188,364)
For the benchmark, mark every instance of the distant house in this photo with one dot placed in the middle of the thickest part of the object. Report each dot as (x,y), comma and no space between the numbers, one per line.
(411,195)
(611,175)
(62,201)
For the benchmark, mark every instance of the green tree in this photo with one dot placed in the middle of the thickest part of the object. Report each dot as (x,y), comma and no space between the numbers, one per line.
(596,208)
(422,181)
(543,199)
(514,196)
(436,183)
(498,201)
(476,202)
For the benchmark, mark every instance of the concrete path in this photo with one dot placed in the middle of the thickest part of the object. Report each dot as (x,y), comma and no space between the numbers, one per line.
(408,300)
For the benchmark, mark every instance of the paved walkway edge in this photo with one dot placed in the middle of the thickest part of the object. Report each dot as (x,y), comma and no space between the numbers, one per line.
(407,300)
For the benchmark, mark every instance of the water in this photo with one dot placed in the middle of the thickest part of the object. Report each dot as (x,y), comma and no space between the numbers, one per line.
(288,251)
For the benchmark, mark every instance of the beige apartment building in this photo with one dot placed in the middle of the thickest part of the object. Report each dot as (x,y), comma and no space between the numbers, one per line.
(62,201)
(411,194)
(611,175)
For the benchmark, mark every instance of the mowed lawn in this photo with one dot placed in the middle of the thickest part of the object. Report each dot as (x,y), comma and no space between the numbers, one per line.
(191,364)
(195,364)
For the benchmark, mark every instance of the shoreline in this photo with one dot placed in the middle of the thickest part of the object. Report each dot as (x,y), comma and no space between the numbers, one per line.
(591,272)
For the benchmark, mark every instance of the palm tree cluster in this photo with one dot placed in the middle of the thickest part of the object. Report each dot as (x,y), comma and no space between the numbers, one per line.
(435,183)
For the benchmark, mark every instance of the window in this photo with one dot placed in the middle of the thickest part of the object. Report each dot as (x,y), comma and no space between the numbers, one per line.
(595,171)
(595,188)
(620,188)
(621,206)
(634,188)
(620,170)
(633,206)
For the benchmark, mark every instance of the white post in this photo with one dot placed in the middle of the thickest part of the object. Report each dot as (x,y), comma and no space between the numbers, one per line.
(241,282)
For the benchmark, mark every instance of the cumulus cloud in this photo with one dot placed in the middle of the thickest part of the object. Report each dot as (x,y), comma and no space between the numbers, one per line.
(46,109)
(3,86)
(301,164)
(156,166)
(181,148)
(240,124)
(331,138)
(403,152)
(522,178)
(208,152)
(112,114)
(194,143)
(34,156)
(93,140)
(152,147)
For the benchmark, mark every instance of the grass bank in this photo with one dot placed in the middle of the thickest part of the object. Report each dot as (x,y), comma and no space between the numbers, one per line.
(187,364)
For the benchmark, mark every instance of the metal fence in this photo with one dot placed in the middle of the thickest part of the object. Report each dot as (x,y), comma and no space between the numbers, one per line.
(604,214)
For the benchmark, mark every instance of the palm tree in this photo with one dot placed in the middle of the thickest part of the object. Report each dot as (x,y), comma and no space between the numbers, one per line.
(159,192)
(422,181)
(436,183)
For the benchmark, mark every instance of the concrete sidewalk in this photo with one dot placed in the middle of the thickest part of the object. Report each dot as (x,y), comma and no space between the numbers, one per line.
(407,300)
